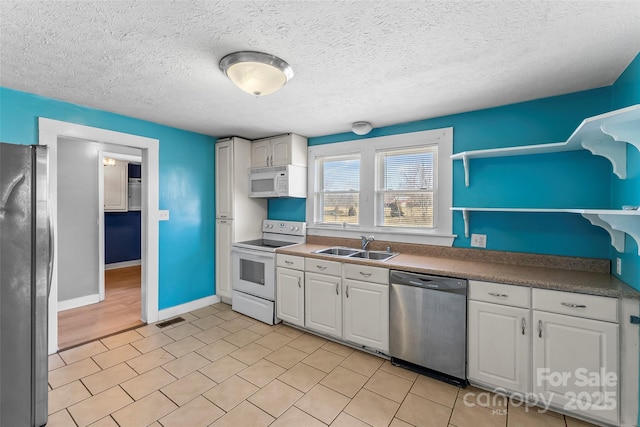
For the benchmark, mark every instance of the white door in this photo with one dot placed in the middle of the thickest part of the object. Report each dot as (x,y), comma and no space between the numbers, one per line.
(260,153)
(366,314)
(499,346)
(575,364)
(224,237)
(224,180)
(290,296)
(323,303)
(281,151)
(116,187)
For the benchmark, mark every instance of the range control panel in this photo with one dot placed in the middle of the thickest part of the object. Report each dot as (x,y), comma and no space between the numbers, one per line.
(294,228)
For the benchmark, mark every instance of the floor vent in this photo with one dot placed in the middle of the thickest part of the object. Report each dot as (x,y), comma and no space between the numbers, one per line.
(170,322)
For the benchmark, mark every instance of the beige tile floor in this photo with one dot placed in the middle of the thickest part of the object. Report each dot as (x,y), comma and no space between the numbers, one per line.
(220,368)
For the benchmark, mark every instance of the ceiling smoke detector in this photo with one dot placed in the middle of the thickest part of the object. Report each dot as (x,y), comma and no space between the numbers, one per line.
(361,128)
(256,73)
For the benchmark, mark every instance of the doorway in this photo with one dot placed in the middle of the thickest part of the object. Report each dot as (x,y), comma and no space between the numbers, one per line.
(49,133)
(99,280)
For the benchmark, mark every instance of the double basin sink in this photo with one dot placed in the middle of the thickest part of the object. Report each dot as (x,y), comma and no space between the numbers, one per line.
(356,253)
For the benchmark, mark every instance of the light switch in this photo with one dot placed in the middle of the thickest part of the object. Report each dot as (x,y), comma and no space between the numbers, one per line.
(163,215)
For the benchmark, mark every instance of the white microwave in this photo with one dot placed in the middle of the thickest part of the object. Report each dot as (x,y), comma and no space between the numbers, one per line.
(278,181)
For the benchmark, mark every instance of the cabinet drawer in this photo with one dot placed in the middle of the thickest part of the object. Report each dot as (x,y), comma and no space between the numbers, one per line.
(331,268)
(366,273)
(574,304)
(516,296)
(290,261)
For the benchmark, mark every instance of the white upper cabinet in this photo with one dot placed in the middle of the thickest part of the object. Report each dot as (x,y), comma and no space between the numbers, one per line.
(116,187)
(224,179)
(288,149)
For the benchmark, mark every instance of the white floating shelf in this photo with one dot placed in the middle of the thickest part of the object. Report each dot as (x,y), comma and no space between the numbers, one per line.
(605,135)
(615,222)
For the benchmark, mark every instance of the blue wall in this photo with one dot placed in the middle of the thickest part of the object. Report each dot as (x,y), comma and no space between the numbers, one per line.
(573,179)
(626,92)
(186,252)
(123,230)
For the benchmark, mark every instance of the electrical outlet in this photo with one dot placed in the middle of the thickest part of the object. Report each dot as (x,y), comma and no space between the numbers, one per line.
(163,215)
(479,240)
(618,266)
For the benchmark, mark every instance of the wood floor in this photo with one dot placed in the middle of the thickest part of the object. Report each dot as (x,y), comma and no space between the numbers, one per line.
(119,311)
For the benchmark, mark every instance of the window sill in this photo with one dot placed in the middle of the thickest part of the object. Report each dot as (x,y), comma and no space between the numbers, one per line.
(425,238)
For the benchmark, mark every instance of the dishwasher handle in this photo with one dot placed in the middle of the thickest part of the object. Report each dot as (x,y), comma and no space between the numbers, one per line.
(436,283)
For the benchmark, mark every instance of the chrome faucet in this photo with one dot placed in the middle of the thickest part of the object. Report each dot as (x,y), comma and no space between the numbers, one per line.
(365,241)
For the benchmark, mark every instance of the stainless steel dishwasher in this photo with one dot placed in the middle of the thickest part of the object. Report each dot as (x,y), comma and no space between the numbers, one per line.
(428,325)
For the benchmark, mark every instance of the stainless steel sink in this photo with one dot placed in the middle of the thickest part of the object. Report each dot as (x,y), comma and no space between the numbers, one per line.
(356,253)
(374,255)
(338,251)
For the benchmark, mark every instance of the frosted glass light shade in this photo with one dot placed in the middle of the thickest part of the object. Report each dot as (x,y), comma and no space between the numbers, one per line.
(255,72)
(361,128)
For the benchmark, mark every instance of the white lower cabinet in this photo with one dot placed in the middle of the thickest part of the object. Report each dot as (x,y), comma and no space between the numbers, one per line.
(366,314)
(290,291)
(323,303)
(562,353)
(349,302)
(500,346)
(575,363)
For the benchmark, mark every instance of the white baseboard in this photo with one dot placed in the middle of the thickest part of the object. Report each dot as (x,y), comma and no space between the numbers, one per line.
(78,302)
(177,310)
(122,264)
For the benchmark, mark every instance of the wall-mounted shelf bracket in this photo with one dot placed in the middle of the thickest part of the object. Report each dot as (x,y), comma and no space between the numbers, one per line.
(618,223)
(605,135)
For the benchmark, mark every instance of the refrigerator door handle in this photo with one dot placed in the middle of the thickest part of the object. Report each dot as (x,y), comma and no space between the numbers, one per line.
(17,180)
(52,244)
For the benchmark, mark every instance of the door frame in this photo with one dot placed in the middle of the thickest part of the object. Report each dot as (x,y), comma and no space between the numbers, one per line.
(101,156)
(49,131)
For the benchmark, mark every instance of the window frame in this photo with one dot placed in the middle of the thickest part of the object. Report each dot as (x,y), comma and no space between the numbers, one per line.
(441,234)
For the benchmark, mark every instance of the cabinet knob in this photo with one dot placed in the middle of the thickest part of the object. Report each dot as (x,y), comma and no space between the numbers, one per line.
(321,267)
(524,324)
(365,274)
(288,262)
(495,294)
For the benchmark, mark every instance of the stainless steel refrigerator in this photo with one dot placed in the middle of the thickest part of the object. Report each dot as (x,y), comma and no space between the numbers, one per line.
(25,268)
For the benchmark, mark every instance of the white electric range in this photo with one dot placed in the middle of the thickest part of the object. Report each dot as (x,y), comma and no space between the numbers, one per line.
(254,272)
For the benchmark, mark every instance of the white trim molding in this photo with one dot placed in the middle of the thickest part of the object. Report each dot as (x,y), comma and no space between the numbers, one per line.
(49,132)
(177,310)
(441,235)
(78,302)
(123,264)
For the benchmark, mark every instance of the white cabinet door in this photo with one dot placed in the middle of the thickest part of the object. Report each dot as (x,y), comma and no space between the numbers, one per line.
(323,303)
(224,180)
(260,153)
(116,187)
(575,364)
(224,238)
(366,314)
(290,296)
(499,352)
(281,151)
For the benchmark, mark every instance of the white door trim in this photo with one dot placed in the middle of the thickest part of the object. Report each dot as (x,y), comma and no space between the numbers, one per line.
(49,131)
(101,156)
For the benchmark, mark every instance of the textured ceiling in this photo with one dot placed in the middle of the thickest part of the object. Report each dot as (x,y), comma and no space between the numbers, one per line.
(386,62)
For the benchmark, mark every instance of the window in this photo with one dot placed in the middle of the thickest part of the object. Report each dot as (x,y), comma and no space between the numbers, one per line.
(406,193)
(397,187)
(338,191)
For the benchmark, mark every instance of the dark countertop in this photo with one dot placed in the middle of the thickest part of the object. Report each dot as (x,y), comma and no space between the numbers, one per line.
(537,276)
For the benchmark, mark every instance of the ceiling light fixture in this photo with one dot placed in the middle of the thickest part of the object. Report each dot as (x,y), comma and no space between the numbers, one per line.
(361,128)
(255,72)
